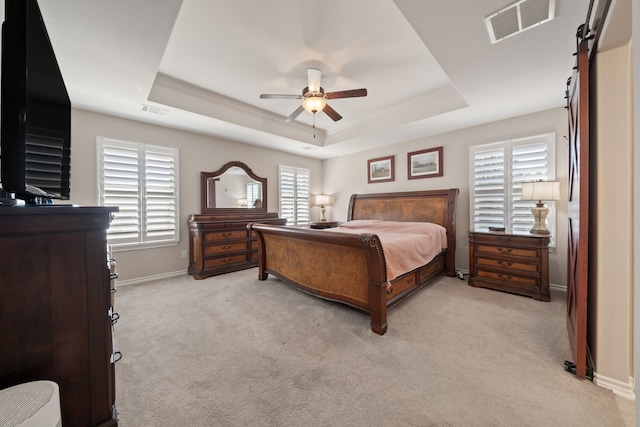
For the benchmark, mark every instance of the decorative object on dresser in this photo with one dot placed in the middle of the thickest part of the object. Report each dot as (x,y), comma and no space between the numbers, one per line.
(513,262)
(351,267)
(540,191)
(219,240)
(55,306)
(322,200)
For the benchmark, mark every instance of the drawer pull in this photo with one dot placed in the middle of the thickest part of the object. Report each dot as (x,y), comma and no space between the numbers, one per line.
(227,260)
(508,264)
(115,357)
(508,277)
(226,234)
(507,250)
(226,248)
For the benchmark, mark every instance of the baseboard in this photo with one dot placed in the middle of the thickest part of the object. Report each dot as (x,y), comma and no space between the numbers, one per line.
(625,390)
(562,288)
(150,278)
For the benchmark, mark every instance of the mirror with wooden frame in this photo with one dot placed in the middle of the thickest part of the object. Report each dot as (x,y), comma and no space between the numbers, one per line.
(233,188)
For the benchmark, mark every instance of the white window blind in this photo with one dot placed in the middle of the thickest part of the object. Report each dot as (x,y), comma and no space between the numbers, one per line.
(253,193)
(497,172)
(294,195)
(142,180)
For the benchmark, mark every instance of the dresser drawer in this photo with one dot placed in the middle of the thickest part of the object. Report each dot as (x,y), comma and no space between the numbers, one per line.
(224,248)
(529,281)
(533,267)
(225,235)
(217,262)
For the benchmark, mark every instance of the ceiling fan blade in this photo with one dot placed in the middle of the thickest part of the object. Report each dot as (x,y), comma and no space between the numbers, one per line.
(331,113)
(314,75)
(295,114)
(278,96)
(353,93)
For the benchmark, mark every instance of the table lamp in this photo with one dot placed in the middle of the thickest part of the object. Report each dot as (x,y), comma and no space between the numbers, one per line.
(322,200)
(540,191)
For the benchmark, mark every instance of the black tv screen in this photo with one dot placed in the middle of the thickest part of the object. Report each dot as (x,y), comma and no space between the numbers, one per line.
(35,122)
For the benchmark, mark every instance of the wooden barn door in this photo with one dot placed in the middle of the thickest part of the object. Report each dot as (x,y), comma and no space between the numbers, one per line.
(578,211)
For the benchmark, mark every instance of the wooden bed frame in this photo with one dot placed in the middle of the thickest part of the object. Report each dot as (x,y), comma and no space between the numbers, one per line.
(350,268)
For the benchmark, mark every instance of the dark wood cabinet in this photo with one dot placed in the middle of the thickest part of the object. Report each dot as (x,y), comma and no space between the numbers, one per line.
(510,262)
(55,307)
(221,243)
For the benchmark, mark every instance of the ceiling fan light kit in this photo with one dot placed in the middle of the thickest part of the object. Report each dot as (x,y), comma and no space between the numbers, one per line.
(313,97)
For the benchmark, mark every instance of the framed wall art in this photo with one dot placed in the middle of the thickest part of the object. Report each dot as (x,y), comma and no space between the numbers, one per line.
(380,169)
(425,163)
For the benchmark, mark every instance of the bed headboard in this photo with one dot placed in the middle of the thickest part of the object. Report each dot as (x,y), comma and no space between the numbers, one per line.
(436,206)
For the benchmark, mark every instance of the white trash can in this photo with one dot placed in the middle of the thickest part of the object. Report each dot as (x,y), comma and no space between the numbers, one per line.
(32,404)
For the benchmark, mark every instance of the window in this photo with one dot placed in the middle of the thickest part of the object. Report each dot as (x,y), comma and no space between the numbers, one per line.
(142,180)
(497,172)
(294,195)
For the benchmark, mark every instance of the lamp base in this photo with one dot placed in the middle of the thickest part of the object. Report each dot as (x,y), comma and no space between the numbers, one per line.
(322,217)
(540,216)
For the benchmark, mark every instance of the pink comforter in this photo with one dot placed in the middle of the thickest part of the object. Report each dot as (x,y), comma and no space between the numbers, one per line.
(406,245)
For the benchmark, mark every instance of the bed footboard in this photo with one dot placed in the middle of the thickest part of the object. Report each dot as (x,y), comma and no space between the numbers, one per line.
(340,267)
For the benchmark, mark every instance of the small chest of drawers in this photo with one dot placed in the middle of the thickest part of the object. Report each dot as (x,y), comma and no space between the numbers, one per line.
(511,262)
(221,244)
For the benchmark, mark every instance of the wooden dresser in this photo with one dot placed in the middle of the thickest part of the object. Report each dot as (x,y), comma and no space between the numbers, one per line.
(221,243)
(55,307)
(512,262)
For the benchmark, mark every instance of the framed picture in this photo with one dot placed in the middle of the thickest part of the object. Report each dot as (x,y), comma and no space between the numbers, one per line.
(425,163)
(381,169)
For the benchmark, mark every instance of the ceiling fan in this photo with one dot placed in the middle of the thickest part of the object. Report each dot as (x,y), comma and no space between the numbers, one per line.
(313,97)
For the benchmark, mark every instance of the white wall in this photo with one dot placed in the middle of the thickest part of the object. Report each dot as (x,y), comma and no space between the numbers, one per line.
(348,175)
(197,153)
(612,343)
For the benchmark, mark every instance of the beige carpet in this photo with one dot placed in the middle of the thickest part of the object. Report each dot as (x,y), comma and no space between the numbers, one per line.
(233,351)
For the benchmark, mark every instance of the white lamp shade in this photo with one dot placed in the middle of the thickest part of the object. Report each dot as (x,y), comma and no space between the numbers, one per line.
(321,199)
(540,190)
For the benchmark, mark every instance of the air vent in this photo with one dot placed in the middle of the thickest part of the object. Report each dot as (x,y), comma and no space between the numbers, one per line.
(154,110)
(519,17)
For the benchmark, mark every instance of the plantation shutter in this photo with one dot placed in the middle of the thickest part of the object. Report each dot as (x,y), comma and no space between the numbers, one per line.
(488,188)
(497,172)
(141,180)
(160,194)
(294,195)
(121,177)
(529,162)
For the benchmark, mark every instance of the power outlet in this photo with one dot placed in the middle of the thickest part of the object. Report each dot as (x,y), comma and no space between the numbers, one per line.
(184,253)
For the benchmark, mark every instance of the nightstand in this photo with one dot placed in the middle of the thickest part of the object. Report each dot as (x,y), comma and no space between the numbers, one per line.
(323,224)
(515,262)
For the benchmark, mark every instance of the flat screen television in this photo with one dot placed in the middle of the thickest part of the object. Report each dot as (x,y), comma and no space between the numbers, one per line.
(35,126)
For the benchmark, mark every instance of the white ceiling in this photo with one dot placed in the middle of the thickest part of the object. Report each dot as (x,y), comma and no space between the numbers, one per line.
(429,67)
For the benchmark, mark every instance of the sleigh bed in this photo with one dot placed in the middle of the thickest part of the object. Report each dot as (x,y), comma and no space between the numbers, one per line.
(351,267)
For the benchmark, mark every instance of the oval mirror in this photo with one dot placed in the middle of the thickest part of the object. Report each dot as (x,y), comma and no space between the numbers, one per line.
(233,188)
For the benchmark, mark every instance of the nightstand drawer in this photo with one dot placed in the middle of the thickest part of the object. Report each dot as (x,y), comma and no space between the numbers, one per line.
(507,264)
(506,250)
(529,281)
(508,240)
